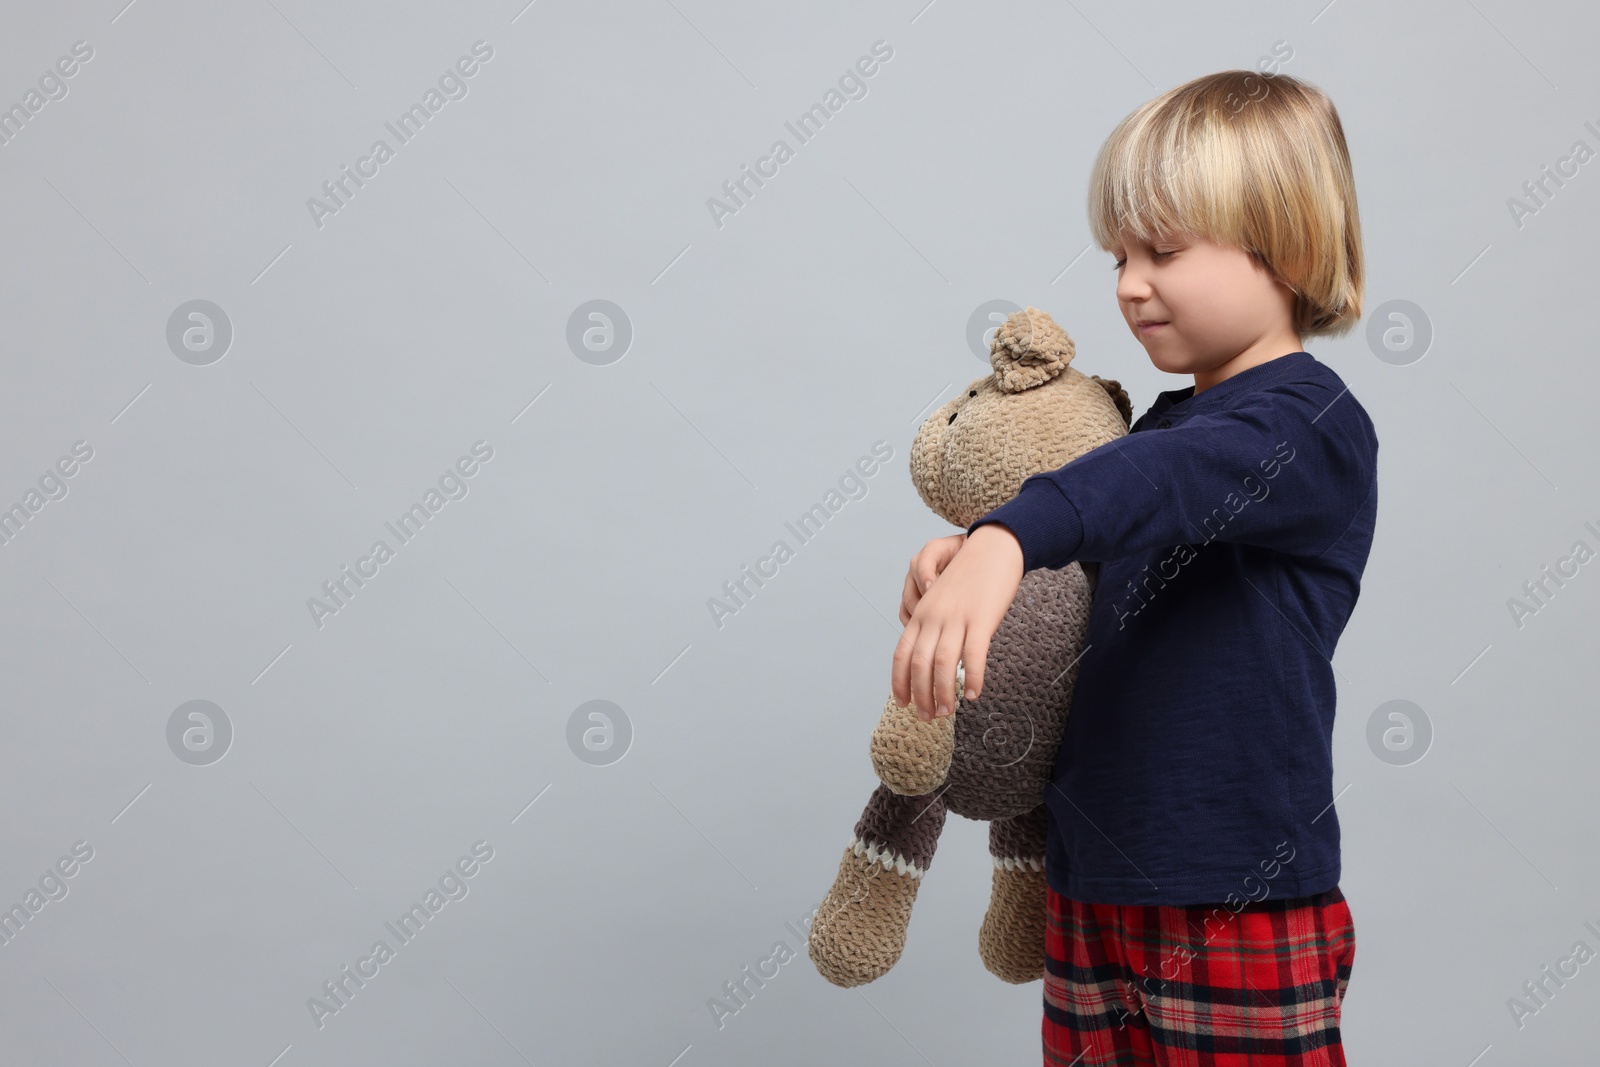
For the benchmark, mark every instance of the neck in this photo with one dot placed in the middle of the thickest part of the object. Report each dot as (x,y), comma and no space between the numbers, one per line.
(1263,351)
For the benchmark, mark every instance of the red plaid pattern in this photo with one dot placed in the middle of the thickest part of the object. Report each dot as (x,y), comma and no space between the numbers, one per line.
(1206,985)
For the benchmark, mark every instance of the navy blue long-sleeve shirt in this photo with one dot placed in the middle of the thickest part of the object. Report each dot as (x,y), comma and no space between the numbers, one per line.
(1231,529)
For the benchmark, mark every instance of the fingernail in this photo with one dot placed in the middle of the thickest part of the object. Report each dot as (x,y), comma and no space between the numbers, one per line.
(972,694)
(943,710)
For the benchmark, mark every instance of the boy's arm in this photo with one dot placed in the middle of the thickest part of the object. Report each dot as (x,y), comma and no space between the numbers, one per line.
(1286,468)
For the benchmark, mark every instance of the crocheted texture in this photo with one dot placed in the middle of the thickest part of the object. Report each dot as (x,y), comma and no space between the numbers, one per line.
(1033,413)
(996,754)
(1006,740)
(1029,348)
(1011,939)
(1119,397)
(910,756)
(900,831)
(993,758)
(1020,839)
(891,860)
(860,929)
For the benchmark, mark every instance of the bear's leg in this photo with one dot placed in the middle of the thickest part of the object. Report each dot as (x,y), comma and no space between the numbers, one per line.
(860,929)
(1011,939)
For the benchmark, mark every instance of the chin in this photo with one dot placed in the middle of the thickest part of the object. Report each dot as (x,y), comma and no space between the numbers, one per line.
(1167,363)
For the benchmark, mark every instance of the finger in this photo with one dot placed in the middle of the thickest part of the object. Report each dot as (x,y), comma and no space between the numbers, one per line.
(973,659)
(900,667)
(922,672)
(927,565)
(908,599)
(948,547)
(897,667)
(945,657)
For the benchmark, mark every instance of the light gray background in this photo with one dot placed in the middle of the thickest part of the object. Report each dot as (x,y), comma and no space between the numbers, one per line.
(768,355)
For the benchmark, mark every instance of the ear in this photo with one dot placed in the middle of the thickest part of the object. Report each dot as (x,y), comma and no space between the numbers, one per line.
(1119,397)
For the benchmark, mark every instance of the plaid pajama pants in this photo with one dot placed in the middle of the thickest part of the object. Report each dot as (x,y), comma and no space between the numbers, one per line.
(1206,985)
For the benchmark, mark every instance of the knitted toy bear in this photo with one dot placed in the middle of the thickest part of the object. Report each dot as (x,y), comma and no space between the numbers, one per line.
(991,759)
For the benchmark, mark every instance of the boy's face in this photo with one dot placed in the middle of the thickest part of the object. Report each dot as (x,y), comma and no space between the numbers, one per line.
(1215,304)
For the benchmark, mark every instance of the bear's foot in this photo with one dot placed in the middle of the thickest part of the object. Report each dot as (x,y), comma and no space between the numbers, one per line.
(860,929)
(1011,939)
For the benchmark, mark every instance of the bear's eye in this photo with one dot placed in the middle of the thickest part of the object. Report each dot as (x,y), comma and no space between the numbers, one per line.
(952,417)
(973,393)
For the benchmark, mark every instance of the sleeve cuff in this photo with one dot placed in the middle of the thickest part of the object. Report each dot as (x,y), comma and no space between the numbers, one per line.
(1043,520)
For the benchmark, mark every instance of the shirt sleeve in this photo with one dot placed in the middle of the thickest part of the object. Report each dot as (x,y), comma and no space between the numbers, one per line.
(1285,468)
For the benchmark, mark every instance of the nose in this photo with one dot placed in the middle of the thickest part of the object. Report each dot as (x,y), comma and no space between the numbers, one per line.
(1132,298)
(1132,285)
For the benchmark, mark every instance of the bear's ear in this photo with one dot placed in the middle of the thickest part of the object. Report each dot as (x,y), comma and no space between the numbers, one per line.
(1028,350)
(1119,397)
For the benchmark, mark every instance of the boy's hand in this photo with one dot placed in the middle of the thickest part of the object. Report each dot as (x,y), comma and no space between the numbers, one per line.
(925,567)
(955,622)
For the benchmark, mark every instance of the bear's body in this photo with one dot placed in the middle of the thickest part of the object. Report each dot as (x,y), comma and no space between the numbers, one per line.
(993,758)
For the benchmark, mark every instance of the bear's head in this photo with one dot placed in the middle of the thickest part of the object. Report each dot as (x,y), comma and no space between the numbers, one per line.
(1033,413)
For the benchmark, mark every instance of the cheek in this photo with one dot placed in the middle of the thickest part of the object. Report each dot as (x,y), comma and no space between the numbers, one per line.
(1191,289)
(1201,304)
(1232,291)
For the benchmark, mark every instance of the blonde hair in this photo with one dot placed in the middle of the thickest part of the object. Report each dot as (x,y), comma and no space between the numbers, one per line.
(1253,161)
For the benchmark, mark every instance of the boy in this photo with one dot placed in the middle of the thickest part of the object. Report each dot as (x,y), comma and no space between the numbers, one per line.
(1193,911)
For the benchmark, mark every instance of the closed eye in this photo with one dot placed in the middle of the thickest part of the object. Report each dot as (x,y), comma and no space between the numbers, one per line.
(1158,255)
